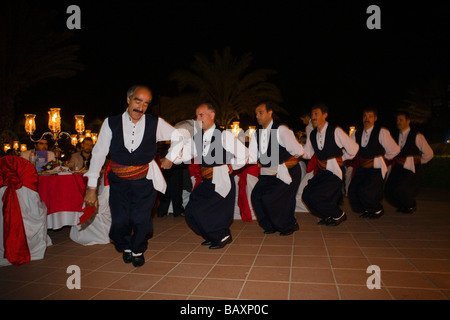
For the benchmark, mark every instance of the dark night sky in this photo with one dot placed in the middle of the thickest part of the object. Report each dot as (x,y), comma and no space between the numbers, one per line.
(321,51)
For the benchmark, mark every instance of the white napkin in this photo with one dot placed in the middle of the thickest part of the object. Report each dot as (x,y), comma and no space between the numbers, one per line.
(221,180)
(378,163)
(409,164)
(155,174)
(333,166)
(283,174)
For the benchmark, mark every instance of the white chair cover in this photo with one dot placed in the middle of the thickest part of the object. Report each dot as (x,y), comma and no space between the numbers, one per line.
(96,229)
(34,216)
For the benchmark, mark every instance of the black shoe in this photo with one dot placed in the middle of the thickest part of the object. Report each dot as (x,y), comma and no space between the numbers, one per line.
(269,231)
(365,214)
(409,210)
(179,215)
(324,221)
(377,215)
(207,243)
(221,244)
(127,257)
(335,222)
(294,228)
(138,261)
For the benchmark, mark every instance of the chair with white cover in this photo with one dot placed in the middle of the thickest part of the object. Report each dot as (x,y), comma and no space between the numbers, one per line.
(96,229)
(23,225)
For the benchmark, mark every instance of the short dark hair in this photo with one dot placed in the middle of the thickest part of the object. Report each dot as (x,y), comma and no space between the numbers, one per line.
(270,106)
(208,105)
(322,106)
(305,114)
(88,139)
(371,109)
(404,113)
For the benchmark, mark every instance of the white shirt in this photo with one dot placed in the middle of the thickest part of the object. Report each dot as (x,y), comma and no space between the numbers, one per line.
(229,142)
(342,140)
(286,139)
(50,155)
(390,147)
(309,128)
(133,134)
(422,145)
(221,180)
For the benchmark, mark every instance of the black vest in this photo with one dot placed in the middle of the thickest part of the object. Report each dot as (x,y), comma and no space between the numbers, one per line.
(146,150)
(373,148)
(410,148)
(217,155)
(265,159)
(330,148)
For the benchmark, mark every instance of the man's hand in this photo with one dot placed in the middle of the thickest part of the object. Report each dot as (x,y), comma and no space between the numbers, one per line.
(166,163)
(91,197)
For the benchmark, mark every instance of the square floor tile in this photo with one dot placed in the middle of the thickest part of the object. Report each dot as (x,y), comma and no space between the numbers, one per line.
(218,288)
(303,291)
(265,290)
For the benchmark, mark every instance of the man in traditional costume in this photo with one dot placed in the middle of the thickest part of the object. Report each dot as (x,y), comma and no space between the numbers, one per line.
(276,150)
(402,185)
(365,191)
(210,209)
(332,146)
(134,179)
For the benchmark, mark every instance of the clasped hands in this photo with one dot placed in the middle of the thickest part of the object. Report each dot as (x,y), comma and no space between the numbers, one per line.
(166,163)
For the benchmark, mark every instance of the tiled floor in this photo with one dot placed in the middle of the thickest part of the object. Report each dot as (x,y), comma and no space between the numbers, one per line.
(317,262)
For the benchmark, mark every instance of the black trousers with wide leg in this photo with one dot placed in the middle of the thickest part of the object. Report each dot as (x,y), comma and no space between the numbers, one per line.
(402,187)
(365,191)
(208,213)
(131,203)
(274,201)
(322,194)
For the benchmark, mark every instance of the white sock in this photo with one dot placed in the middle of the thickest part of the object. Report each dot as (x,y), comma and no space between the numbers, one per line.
(137,254)
(340,216)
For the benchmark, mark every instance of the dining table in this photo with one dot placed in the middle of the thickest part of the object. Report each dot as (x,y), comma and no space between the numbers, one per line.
(63,194)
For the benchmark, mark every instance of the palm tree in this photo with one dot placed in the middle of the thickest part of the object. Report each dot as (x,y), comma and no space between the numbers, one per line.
(426,100)
(30,52)
(224,81)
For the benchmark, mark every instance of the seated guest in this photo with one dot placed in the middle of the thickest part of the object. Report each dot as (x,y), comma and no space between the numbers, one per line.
(41,152)
(82,158)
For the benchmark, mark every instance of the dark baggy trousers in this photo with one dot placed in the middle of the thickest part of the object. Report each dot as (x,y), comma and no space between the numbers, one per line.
(322,194)
(274,201)
(402,187)
(365,191)
(131,204)
(208,213)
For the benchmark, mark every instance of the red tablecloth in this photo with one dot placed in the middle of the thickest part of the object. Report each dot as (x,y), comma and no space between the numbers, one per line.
(62,193)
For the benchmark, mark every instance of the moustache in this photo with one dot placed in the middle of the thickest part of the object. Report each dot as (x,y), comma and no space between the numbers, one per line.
(139,111)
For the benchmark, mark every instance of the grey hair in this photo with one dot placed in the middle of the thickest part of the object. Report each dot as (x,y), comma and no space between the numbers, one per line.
(132,90)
